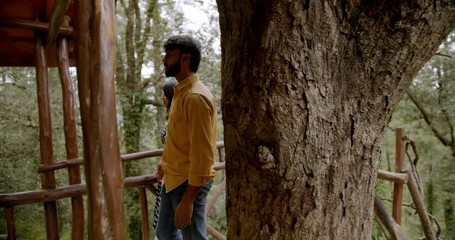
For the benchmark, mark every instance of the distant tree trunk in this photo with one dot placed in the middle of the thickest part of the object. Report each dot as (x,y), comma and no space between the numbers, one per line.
(131,56)
(308,89)
(430,197)
(132,86)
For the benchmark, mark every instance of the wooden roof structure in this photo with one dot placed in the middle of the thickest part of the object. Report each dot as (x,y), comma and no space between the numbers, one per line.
(20,22)
(80,33)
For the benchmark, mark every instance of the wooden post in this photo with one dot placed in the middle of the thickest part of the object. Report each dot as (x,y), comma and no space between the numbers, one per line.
(69,117)
(95,50)
(144,213)
(399,163)
(10,224)
(45,126)
(420,207)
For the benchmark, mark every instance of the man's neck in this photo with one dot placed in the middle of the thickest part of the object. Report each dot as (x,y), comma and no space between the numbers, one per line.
(183,75)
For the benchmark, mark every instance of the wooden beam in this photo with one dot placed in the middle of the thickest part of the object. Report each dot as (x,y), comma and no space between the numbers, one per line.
(144,214)
(46,195)
(95,48)
(420,207)
(393,177)
(10,223)
(69,122)
(33,26)
(141,155)
(124,157)
(43,195)
(398,187)
(60,165)
(45,122)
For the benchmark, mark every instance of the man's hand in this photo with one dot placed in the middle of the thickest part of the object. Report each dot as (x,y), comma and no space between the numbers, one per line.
(184,211)
(160,172)
(183,214)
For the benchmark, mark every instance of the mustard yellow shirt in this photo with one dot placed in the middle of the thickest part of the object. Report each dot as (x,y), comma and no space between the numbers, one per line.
(190,146)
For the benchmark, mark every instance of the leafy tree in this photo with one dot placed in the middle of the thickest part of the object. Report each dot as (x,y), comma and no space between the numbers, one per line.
(19,155)
(135,22)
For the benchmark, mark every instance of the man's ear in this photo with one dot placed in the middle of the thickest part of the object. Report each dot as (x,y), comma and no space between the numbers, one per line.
(186,58)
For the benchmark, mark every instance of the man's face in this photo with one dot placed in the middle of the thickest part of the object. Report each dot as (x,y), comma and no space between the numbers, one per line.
(172,62)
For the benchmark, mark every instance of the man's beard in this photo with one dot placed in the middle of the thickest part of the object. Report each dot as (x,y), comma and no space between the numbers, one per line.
(173,69)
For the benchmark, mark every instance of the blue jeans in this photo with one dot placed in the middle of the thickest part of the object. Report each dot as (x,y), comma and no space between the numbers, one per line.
(166,229)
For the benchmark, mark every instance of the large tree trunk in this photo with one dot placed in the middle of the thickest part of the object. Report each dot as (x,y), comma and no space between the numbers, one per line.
(308,89)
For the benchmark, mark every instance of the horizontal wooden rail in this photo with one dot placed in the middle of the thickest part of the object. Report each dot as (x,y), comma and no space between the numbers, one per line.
(43,195)
(141,155)
(34,26)
(393,176)
(46,195)
(60,165)
(125,158)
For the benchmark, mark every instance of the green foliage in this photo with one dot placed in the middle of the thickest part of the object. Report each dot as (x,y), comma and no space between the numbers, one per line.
(20,151)
(19,154)
(427,115)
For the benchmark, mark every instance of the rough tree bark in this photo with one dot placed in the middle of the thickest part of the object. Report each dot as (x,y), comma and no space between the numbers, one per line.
(308,89)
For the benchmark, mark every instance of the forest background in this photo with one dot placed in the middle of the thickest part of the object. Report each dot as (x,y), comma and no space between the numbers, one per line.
(427,113)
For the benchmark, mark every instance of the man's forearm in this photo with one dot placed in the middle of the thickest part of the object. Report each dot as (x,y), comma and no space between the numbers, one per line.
(191,193)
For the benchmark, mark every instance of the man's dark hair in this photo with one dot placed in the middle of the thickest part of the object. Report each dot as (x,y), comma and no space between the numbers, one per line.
(186,44)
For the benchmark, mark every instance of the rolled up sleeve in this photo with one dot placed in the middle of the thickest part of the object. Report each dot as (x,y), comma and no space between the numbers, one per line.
(202,131)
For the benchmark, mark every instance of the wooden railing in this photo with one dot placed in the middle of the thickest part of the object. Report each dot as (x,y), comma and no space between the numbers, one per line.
(391,222)
(143,182)
(401,177)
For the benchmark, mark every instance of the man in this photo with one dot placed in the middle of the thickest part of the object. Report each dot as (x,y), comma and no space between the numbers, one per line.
(189,149)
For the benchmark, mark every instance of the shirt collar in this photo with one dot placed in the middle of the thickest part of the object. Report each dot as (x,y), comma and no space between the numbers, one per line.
(186,82)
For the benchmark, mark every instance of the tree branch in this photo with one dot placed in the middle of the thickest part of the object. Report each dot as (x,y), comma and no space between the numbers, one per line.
(442,55)
(141,43)
(150,80)
(442,97)
(426,117)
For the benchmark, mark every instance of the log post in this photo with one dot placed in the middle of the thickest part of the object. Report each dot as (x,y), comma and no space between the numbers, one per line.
(45,126)
(144,213)
(398,187)
(10,224)
(95,60)
(420,207)
(69,118)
